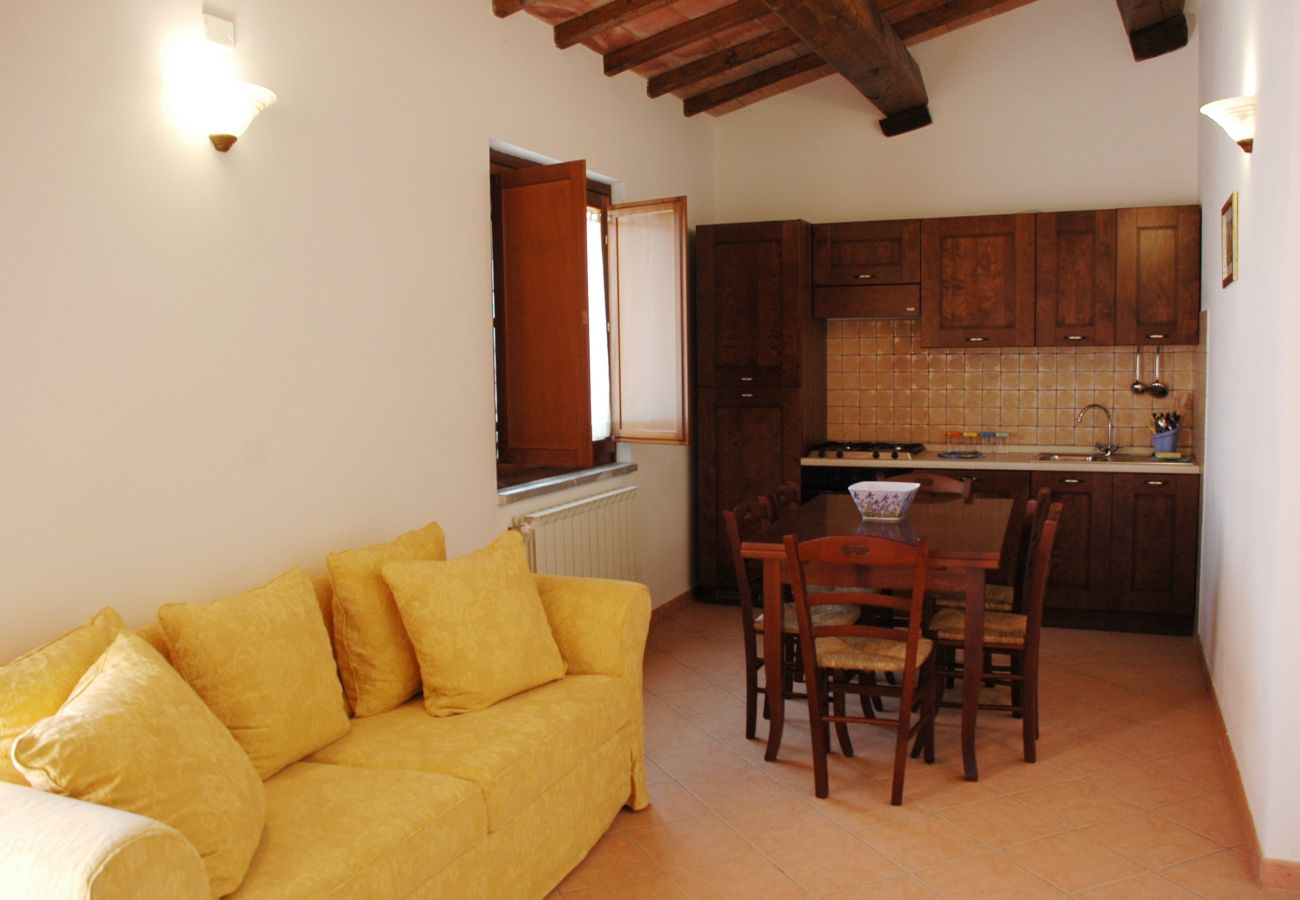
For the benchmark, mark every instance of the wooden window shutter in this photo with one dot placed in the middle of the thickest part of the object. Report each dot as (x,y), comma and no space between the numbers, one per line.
(647,309)
(543,376)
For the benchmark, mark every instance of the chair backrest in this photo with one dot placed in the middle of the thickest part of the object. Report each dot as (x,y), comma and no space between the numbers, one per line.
(1039,567)
(739,522)
(858,554)
(935,485)
(1031,526)
(785,499)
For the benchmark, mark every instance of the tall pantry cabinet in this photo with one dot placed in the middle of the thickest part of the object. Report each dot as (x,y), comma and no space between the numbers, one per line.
(760,399)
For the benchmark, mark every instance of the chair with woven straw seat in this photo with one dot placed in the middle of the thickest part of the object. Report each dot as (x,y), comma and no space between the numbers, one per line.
(838,658)
(1015,634)
(745,518)
(1005,597)
(785,499)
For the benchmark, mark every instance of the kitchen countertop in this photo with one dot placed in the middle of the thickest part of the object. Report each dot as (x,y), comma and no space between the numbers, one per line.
(1021,458)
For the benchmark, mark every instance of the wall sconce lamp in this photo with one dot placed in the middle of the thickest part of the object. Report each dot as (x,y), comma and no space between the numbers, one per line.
(232,107)
(1236,116)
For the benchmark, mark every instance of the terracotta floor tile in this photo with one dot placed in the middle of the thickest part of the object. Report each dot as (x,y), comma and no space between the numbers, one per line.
(986,876)
(1072,862)
(1002,821)
(1225,875)
(749,877)
(656,887)
(1205,767)
(1147,785)
(769,825)
(860,808)
(1150,840)
(1076,803)
(690,842)
(1215,816)
(615,858)
(669,802)
(1146,741)
(1080,758)
(1141,887)
(831,864)
(923,841)
(908,887)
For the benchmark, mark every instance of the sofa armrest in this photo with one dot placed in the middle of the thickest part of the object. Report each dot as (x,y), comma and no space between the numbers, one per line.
(57,847)
(601,628)
(600,625)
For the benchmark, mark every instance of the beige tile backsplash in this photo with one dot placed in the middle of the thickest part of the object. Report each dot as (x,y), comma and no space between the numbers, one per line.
(883,385)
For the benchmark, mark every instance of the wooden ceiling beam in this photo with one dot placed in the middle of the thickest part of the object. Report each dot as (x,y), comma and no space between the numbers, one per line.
(687,32)
(856,39)
(698,70)
(601,19)
(950,16)
(1155,27)
(503,8)
(734,90)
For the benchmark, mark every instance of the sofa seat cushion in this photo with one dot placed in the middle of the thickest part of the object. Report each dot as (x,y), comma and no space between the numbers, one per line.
(338,831)
(513,750)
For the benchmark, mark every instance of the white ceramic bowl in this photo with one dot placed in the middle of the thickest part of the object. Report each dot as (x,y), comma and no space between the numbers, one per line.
(883,499)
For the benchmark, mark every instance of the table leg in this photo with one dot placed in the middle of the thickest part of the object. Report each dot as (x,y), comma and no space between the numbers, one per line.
(972,668)
(772,674)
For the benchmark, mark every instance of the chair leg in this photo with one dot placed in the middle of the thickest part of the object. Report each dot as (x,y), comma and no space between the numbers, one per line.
(751,701)
(929,706)
(841,728)
(1017,690)
(1030,724)
(900,752)
(821,786)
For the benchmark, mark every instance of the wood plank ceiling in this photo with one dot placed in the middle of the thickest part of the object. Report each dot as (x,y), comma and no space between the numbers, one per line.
(721,55)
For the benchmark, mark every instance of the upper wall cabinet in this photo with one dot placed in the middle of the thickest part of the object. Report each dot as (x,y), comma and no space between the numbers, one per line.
(867,270)
(977,281)
(1076,279)
(753,303)
(1158,284)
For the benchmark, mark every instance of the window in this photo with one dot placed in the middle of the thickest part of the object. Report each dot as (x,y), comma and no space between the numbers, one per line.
(590,344)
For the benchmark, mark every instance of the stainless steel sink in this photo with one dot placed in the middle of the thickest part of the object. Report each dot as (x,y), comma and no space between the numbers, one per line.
(1073,457)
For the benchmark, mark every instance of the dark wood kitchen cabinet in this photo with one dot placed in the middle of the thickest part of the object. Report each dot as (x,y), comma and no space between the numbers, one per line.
(977,281)
(753,304)
(867,253)
(1125,555)
(1075,284)
(1158,281)
(760,400)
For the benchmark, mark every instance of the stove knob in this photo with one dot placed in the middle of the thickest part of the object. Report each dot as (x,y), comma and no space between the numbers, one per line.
(839,454)
(821,453)
(894,455)
(875,454)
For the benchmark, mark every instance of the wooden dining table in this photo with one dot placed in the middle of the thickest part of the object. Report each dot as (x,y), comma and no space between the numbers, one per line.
(965,539)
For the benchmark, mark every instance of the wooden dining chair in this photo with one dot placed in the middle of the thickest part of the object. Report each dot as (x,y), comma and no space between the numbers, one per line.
(935,486)
(1015,634)
(839,659)
(1007,597)
(744,519)
(785,499)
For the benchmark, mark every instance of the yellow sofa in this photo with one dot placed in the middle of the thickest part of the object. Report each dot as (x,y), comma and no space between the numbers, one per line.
(501,802)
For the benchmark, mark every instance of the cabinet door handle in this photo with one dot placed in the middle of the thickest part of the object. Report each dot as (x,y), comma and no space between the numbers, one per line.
(1157,483)
(1156,337)
(1071,481)
(1076,337)
(909,309)
(746,396)
(746,377)
(977,340)
(866,276)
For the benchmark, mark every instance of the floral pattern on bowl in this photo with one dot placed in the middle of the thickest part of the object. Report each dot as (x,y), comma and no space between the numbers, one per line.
(883,499)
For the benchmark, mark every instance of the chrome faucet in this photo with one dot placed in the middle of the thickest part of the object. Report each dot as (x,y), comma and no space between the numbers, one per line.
(1110,446)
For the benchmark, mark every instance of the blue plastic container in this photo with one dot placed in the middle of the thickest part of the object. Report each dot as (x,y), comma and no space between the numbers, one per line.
(1165,441)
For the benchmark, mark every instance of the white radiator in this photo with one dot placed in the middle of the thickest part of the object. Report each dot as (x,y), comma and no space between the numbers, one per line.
(593,536)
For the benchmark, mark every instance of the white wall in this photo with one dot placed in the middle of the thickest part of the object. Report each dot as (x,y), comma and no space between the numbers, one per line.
(213,367)
(1042,108)
(1249,614)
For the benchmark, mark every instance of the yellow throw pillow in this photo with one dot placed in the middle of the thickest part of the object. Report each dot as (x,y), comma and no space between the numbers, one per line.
(478,626)
(376,659)
(133,736)
(35,684)
(261,661)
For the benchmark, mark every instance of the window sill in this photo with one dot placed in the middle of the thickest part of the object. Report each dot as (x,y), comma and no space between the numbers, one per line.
(555,483)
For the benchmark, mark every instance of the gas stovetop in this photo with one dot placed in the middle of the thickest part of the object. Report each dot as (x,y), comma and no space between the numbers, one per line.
(866,450)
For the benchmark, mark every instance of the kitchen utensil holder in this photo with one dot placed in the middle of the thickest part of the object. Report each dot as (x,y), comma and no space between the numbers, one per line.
(1165,441)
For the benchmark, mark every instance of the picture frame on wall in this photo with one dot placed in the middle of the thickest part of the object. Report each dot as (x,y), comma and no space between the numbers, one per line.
(1228,237)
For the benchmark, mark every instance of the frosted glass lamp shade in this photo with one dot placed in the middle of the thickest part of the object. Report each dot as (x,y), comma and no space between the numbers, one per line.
(1236,116)
(231,108)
